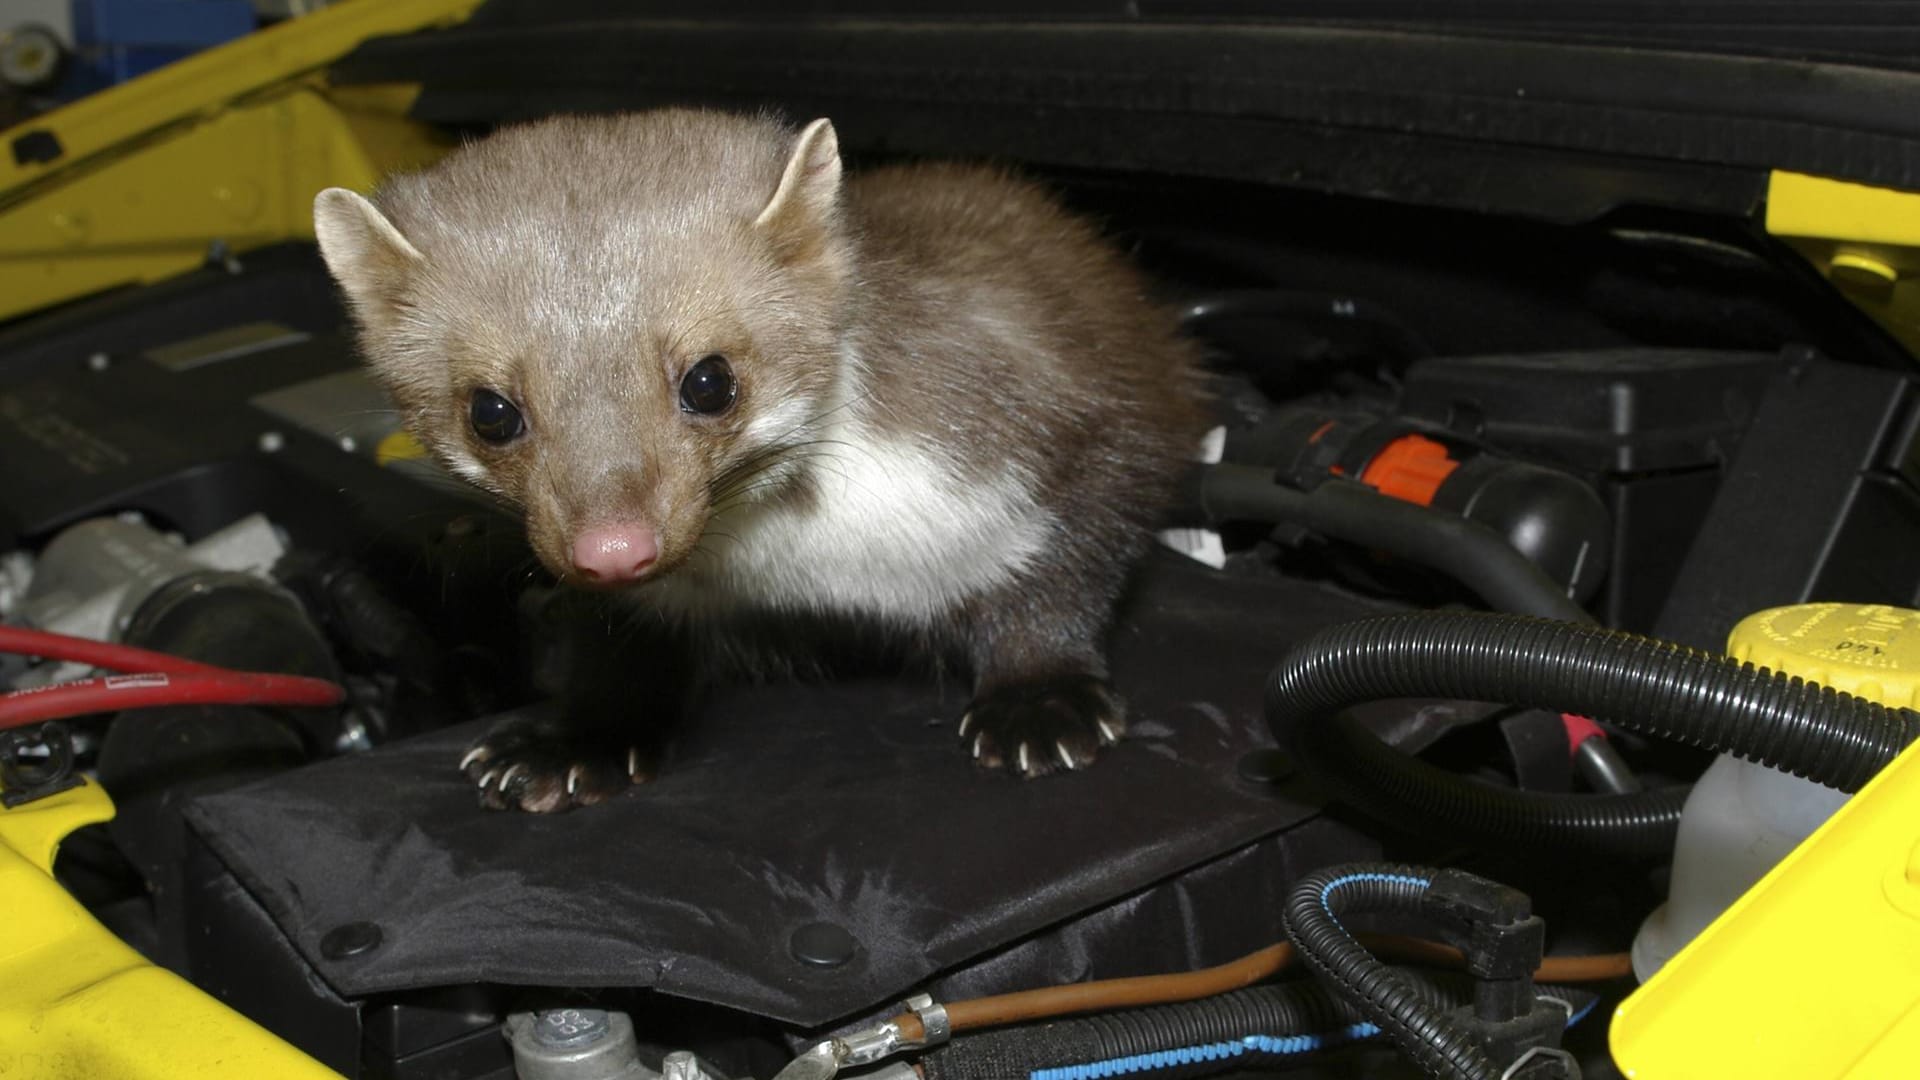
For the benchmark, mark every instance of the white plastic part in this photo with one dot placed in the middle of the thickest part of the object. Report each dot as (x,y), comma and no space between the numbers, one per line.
(1202,545)
(93,576)
(1740,819)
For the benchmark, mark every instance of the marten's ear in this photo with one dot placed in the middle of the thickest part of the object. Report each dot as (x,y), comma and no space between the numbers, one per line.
(367,255)
(803,213)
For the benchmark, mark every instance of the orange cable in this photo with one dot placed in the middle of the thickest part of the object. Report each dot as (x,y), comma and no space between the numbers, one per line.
(1104,994)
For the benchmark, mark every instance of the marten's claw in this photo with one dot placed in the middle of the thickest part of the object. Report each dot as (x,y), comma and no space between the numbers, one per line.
(544,766)
(1042,726)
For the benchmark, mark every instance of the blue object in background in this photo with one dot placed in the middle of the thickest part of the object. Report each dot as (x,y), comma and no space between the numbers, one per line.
(115,40)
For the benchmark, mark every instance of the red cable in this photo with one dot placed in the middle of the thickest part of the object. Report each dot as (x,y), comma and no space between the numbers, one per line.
(112,693)
(163,679)
(1579,730)
(47,645)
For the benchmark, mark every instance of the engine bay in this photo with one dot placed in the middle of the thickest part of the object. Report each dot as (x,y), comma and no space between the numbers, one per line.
(1649,420)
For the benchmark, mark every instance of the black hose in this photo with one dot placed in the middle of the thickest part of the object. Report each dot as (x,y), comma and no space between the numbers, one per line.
(1436,1040)
(1464,550)
(1299,1011)
(1655,687)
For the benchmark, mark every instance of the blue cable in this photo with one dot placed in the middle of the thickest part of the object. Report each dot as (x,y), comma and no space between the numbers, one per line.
(1277,1046)
(1261,1044)
(1190,1055)
(1397,879)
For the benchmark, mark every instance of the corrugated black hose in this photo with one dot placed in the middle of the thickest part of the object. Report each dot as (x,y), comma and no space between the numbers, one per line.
(1466,551)
(1190,1038)
(1658,688)
(1433,1037)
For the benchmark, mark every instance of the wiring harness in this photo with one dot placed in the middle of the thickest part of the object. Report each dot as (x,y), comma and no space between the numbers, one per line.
(37,763)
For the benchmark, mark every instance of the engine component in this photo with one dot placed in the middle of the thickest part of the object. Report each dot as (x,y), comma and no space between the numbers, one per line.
(1820,502)
(1651,686)
(1595,758)
(577,1044)
(924,1024)
(158,679)
(91,578)
(1551,517)
(1504,1033)
(1467,551)
(36,763)
(1236,1030)
(1649,429)
(1843,906)
(155,765)
(1743,817)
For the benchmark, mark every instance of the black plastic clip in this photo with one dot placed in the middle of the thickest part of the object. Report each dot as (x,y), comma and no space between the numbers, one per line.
(36,762)
(1503,941)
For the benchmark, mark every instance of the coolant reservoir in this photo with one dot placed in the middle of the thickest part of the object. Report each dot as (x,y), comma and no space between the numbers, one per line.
(1742,818)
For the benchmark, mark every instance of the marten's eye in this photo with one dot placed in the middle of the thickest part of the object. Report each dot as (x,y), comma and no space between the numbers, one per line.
(708,387)
(494,418)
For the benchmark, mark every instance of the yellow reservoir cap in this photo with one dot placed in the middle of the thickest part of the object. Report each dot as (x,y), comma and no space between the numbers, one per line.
(1814,973)
(1867,650)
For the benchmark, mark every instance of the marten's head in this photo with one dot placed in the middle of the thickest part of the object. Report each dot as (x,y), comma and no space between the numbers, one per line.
(618,324)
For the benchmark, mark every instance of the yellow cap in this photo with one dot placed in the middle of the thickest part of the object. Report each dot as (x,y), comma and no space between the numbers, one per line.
(1867,650)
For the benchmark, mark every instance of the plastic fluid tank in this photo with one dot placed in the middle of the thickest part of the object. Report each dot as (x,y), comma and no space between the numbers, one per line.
(1743,818)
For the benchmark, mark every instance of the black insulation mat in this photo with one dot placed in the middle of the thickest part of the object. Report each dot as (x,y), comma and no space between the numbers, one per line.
(851,806)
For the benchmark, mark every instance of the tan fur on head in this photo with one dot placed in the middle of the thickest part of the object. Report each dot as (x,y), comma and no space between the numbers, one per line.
(579,267)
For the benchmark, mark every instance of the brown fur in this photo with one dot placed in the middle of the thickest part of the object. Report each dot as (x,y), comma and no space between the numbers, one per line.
(580,266)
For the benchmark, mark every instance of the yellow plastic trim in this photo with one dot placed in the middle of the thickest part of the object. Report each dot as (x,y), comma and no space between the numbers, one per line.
(229,145)
(1866,240)
(75,1002)
(1814,974)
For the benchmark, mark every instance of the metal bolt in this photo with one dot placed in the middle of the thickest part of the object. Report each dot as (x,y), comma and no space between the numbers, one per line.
(1265,766)
(682,1065)
(99,362)
(353,736)
(570,1029)
(349,940)
(347,444)
(822,944)
(272,442)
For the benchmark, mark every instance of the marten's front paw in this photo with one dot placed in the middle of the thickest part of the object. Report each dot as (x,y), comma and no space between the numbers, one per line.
(544,766)
(1037,727)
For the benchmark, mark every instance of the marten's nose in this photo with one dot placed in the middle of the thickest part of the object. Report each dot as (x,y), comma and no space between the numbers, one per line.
(611,554)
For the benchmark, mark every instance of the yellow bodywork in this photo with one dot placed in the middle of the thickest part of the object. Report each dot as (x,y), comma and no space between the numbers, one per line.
(1866,240)
(1814,974)
(230,145)
(77,1004)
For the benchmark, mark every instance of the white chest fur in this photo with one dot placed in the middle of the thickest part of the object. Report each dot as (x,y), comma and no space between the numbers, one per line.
(892,532)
